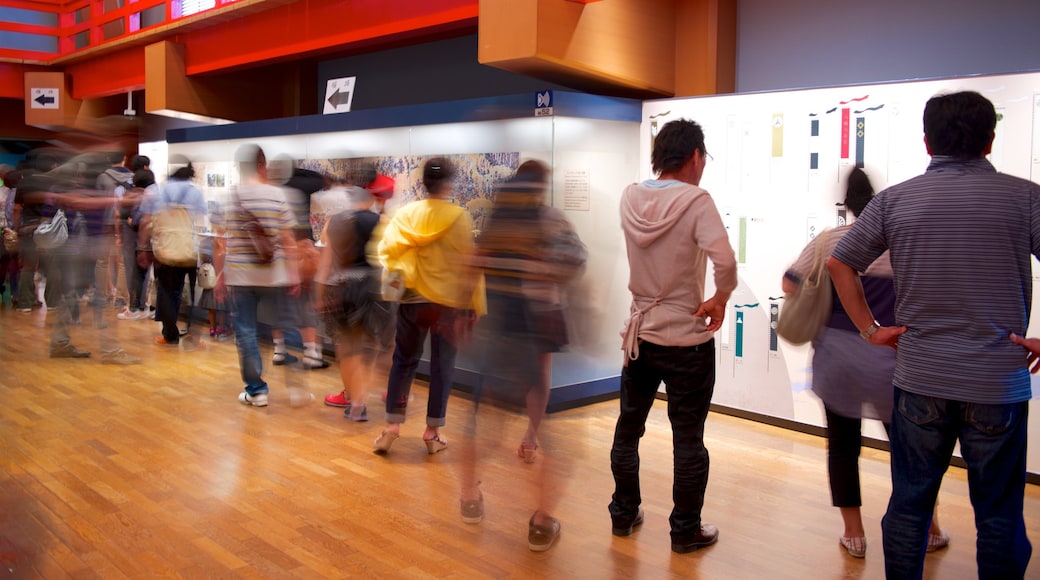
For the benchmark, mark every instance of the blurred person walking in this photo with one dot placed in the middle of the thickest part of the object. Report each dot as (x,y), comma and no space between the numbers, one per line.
(526,252)
(177,194)
(251,281)
(348,295)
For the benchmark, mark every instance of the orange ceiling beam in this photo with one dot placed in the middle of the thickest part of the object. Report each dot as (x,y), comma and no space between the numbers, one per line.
(313,26)
(108,74)
(285,32)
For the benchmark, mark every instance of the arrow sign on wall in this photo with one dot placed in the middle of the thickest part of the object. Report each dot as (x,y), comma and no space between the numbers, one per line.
(43,98)
(339,93)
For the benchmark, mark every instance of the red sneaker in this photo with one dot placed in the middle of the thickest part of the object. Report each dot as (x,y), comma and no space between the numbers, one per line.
(338,400)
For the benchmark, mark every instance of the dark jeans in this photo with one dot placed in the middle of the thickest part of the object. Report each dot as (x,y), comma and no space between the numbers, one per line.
(993,444)
(844,440)
(246,302)
(169,287)
(30,259)
(688,373)
(135,275)
(414,322)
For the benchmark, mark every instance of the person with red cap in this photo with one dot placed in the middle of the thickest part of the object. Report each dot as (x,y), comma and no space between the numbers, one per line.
(348,273)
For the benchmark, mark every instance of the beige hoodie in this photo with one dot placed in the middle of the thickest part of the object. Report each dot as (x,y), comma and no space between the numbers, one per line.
(671,230)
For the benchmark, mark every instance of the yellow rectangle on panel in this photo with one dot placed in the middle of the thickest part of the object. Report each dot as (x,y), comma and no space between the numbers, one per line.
(778,135)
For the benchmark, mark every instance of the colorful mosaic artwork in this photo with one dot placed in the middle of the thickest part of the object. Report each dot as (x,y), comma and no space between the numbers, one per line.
(477,174)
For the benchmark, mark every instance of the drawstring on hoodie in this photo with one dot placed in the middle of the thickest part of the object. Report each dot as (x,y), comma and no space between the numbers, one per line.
(630,336)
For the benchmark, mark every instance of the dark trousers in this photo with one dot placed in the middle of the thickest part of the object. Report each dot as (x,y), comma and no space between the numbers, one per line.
(844,440)
(414,323)
(169,288)
(993,444)
(135,275)
(688,373)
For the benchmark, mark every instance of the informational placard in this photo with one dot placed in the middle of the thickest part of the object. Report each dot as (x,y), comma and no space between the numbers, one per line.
(543,104)
(43,98)
(577,190)
(339,94)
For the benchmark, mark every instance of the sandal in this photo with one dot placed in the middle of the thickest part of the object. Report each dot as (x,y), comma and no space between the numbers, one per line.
(383,443)
(856,546)
(937,541)
(526,451)
(437,443)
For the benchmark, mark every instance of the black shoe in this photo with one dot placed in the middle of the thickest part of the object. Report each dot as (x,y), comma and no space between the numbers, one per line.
(627,530)
(708,535)
(68,351)
(287,359)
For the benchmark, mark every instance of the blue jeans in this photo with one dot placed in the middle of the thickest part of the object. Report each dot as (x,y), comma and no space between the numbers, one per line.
(688,373)
(245,303)
(993,444)
(414,322)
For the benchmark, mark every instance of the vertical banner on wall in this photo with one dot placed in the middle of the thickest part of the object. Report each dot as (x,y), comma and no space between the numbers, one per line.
(656,122)
(742,241)
(734,156)
(861,139)
(1035,171)
(814,145)
(739,338)
(774,341)
(778,135)
(845,135)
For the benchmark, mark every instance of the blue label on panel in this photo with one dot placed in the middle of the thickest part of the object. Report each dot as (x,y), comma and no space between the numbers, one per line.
(543,99)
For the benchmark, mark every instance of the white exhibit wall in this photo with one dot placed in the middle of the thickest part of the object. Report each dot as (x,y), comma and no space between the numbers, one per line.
(774,197)
(592,161)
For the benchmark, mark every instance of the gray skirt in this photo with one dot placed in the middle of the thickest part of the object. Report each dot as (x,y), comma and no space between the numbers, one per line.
(852,376)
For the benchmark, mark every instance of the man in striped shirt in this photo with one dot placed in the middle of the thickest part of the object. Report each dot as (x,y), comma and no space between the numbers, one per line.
(252,284)
(960,237)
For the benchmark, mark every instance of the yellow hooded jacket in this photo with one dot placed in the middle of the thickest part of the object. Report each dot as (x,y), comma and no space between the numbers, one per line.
(430,242)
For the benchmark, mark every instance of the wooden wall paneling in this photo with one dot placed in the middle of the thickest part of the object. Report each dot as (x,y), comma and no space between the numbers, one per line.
(705,47)
(621,47)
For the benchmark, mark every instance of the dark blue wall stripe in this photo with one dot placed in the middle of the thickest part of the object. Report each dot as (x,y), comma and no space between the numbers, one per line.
(566,104)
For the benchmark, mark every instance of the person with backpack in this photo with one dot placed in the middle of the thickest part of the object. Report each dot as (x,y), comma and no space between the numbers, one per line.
(130,224)
(116,181)
(168,224)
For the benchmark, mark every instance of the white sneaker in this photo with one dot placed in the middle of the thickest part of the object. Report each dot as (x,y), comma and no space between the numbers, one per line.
(254,400)
(128,315)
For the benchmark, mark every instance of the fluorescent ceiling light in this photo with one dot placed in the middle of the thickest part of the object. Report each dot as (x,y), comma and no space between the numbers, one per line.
(191,117)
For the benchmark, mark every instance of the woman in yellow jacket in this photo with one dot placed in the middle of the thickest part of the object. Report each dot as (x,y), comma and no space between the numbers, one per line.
(430,243)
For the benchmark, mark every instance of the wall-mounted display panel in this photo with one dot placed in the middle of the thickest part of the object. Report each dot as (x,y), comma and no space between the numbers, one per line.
(779,160)
(592,160)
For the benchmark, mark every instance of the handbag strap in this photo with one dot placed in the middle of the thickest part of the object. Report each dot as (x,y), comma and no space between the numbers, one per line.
(819,265)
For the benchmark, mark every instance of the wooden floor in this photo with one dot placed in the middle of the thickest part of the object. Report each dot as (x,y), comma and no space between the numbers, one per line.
(157,470)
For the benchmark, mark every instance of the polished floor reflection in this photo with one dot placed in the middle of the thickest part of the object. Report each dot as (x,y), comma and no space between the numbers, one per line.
(157,470)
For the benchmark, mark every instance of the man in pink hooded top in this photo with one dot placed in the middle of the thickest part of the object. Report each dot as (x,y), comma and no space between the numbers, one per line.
(672,229)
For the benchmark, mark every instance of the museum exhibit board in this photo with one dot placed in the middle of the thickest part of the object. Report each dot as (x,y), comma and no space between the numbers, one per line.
(776,174)
(590,142)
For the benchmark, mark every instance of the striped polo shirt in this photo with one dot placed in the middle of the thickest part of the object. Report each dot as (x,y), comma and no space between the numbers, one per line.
(242,266)
(960,237)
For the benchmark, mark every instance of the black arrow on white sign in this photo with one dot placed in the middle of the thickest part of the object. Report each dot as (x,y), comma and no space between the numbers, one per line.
(44,99)
(339,98)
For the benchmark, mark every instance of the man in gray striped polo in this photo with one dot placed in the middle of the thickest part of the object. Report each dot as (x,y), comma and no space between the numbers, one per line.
(960,237)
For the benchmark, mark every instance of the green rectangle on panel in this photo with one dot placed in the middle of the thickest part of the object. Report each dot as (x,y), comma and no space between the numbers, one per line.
(742,244)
